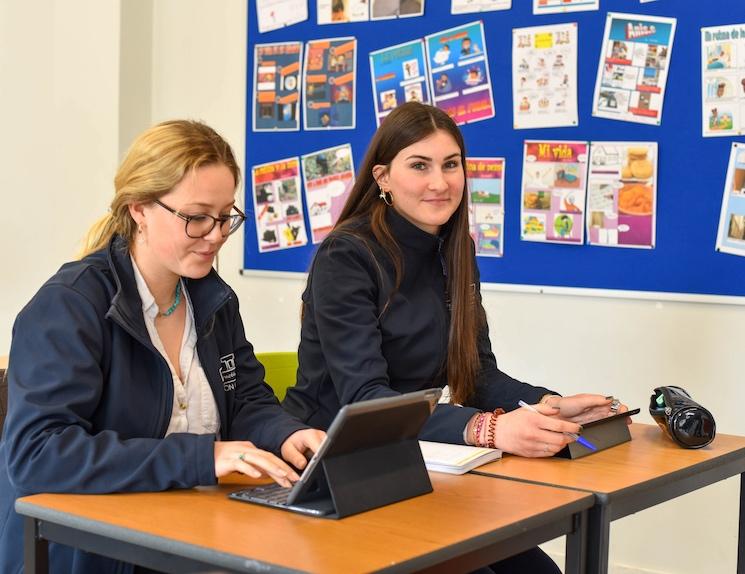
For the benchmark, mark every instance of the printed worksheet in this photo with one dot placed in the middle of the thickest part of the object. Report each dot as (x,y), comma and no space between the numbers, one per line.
(544,76)
(399,74)
(275,14)
(329,83)
(723,80)
(622,194)
(340,11)
(277,86)
(731,233)
(277,204)
(329,176)
(554,181)
(470,6)
(485,176)
(554,6)
(459,73)
(633,67)
(385,9)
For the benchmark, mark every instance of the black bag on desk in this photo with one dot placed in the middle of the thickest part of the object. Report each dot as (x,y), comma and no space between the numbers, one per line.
(683,419)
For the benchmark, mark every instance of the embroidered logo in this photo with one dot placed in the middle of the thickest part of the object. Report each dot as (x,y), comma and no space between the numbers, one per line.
(227,372)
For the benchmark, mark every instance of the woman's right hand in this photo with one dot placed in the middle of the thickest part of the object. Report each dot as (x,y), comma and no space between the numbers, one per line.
(244,457)
(526,433)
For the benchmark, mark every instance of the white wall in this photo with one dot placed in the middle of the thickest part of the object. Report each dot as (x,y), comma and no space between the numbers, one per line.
(69,69)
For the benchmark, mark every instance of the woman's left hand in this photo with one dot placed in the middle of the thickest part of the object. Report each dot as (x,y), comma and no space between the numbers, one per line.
(298,443)
(585,407)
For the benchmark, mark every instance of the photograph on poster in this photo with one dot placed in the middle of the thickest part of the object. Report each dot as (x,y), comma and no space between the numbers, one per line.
(275,14)
(277,205)
(328,178)
(553,188)
(633,67)
(398,75)
(341,11)
(622,194)
(386,9)
(329,84)
(277,86)
(723,80)
(544,76)
(459,73)
(731,233)
(485,177)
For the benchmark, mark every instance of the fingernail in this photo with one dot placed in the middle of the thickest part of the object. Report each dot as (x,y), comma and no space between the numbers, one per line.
(609,398)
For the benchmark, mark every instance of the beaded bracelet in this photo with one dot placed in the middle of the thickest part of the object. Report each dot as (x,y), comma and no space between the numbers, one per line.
(477,429)
(491,430)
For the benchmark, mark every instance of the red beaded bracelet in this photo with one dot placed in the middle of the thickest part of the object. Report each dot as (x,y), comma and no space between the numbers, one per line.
(477,429)
(491,430)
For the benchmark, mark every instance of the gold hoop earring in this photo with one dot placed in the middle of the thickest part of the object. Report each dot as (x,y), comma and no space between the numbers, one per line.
(386,196)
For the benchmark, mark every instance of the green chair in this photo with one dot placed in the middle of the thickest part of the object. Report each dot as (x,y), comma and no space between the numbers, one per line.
(281,371)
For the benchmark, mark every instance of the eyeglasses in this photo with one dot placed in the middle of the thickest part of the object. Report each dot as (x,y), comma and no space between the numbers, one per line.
(202,224)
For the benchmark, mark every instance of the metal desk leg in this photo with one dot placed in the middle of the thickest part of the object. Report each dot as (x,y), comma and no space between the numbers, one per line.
(35,549)
(741,529)
(576,545)
(598,539)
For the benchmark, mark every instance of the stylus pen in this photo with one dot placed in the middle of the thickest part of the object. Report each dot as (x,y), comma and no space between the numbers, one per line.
(583,441)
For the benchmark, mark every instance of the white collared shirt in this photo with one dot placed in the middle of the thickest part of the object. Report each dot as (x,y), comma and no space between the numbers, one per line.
(194,409)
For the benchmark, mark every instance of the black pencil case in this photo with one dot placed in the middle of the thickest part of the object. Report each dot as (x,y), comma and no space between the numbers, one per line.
(684,420)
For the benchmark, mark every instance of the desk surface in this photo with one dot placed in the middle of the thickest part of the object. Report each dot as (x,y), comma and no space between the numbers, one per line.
(648,458)
(417,533)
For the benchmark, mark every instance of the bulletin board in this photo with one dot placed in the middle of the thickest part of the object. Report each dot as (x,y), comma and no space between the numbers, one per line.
(691,168)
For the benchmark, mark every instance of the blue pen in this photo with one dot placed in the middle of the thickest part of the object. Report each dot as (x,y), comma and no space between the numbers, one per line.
(583,441)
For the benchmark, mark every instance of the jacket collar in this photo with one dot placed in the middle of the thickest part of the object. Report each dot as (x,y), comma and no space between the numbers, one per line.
(409,235)
(207,294)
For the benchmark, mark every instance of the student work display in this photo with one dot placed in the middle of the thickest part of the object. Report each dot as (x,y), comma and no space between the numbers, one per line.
(616,85)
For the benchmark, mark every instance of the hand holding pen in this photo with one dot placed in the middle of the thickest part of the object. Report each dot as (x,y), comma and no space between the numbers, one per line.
(574,436)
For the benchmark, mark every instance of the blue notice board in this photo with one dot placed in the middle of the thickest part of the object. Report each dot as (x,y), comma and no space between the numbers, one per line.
(691,168)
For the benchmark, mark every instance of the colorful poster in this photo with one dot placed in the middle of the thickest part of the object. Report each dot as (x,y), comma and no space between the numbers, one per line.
(632,72)
(277,87)
(340,11)
(398,75)
(328,83)
(277,205)
(329,176)
(553,191)
(384,9)
(275,14)
(459,73)
(622,194)
(731,234)
(723,80)
(554,6)
(544,76)
(470,6)
(485,176)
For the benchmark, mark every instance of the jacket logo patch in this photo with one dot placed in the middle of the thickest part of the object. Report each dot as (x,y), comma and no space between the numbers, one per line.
(227,372)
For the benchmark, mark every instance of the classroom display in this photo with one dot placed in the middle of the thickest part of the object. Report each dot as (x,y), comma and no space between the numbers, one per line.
(664,201)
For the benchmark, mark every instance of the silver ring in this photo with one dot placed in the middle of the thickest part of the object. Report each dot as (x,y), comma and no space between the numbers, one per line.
(615,405)
(545,447)
(240,457)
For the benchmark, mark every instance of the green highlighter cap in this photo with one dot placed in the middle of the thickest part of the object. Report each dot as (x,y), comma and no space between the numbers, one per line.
(660,401)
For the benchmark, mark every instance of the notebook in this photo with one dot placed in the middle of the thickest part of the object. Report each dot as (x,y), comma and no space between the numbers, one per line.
(371,441)
(456,458)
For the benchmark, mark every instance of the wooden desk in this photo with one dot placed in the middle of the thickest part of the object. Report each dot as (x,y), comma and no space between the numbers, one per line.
(633,476)
(469,521)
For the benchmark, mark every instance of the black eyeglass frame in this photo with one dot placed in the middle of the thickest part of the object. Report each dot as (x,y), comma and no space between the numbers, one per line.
(222,219)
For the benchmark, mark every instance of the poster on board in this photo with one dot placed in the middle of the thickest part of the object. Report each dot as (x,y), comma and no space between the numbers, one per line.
(277,205)
(329,84)
(633,67)
(471,6)
(554,6)
(723,80)
(554,181)
(731,233)
(277,86)
(386,9)
(341,11)
(275,14)
(459,73)
(328,175)
(485,177)
(544,76)
(398,75)
(622,194)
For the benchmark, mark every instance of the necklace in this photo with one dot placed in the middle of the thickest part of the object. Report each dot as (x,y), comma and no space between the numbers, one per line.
(176,301)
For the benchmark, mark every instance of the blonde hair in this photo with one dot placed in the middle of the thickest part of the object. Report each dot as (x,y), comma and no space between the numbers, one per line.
(156,161)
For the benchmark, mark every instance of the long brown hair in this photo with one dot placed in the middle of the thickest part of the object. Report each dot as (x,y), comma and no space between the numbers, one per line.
(404,126)
(156,161)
